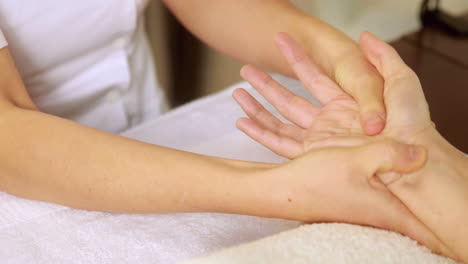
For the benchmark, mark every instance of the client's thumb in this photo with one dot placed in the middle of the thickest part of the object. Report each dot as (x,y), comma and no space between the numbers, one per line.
(389,159)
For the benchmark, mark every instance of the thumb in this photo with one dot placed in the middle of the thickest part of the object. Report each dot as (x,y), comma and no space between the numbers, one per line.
(383,56)
(358,77)
(389,159)
(404,96)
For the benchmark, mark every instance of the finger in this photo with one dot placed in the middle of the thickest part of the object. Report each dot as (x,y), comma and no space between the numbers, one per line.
(355,76)
(281,145)
(406,99)
(311,75)
(295,108)
(360,79)
(337,141)
(383,56)
(263,117)
(391,156)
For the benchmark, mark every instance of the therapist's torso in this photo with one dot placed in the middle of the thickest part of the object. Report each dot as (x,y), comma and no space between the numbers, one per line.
(86,60)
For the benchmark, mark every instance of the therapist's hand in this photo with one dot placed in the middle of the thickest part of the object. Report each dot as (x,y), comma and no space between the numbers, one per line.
(438,193)
(353,73)
(337,184)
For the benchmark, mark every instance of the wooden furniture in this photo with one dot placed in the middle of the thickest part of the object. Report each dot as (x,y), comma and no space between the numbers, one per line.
(441,62)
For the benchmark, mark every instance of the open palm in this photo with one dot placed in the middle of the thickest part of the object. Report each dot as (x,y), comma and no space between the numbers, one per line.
(336,123)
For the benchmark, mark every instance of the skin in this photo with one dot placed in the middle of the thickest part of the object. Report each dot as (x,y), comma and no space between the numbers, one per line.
(243,29)
(445,210)
(67,163)
(48,158)
(335,124)
(123,175)
(106,172)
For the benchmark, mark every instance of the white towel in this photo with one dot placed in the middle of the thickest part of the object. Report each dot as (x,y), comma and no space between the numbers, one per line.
(39,232)
(328,243)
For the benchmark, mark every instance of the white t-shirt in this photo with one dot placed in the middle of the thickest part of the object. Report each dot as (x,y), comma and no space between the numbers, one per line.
(3,41)
(86,60)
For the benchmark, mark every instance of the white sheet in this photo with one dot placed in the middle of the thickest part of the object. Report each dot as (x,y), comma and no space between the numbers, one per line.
(38,232)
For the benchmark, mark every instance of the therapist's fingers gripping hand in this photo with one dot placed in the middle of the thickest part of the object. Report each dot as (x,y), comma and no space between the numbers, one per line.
(339,185)
(438,193)
(353,74)
(407,108)
(359,78)
(312,126)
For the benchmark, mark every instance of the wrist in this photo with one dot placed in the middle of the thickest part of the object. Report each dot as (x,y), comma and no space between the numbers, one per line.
(444,152)
(282,192)
(453,188)
(262,195)
(333,46)
(239,188)
(438,193)
(266,192)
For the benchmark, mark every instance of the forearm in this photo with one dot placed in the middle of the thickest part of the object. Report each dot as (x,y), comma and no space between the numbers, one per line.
(452,209)
(438,194)
(48,158)
(244,29)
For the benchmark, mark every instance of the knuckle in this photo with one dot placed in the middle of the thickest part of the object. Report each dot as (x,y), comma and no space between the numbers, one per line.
(266,81)
(299,57)
(408,73)
(256,110)
(404,76)
(293,100)
(278,125)
(319,80)
(404,72)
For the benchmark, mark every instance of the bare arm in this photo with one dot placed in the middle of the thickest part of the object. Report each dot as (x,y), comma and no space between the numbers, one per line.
(44,157)
(245,29)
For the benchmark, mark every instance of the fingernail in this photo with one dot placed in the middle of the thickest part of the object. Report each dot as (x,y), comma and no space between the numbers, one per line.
(376,117)
(415,152)
(374,124)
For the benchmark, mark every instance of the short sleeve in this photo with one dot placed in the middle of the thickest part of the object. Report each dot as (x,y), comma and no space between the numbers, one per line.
(3,41)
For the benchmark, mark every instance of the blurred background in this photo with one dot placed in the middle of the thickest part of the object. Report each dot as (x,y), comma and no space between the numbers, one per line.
(188,69)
